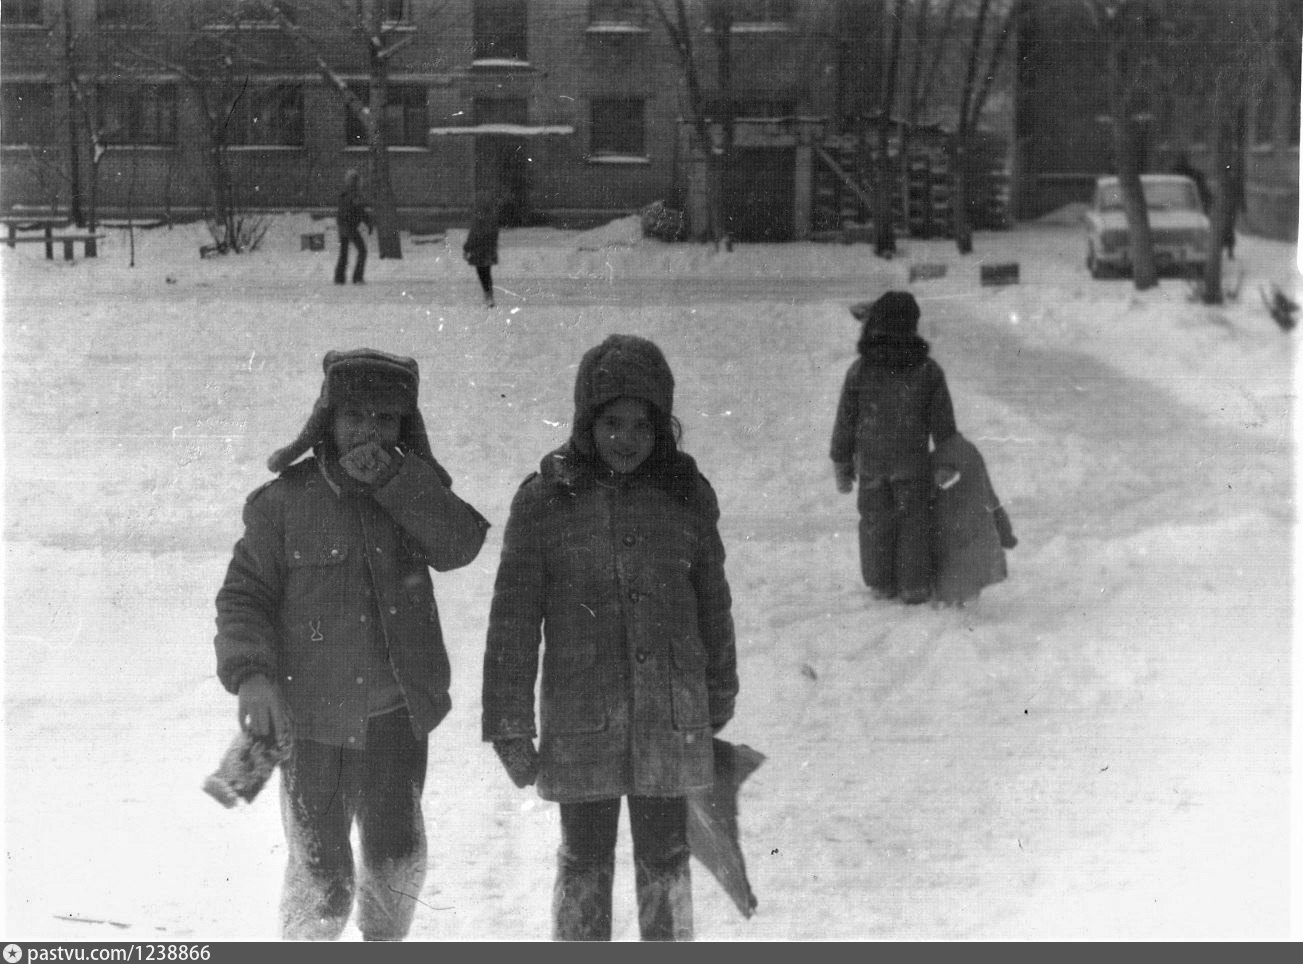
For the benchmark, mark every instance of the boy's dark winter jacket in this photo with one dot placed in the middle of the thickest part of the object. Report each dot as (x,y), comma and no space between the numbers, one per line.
(625,579)
(894,397)
(325,580)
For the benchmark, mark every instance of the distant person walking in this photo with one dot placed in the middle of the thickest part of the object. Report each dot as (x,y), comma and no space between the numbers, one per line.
(481,247)
(349,216)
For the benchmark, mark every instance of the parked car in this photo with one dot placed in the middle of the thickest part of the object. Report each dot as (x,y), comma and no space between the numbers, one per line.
(1178,226)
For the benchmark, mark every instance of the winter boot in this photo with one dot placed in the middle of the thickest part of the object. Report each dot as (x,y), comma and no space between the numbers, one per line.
(665,899)
(581,899)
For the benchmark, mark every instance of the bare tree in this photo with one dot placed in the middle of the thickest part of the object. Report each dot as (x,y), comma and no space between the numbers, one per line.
(678,27)
(985,60)
(1137,52)
(376,36)
(1253,41)
(884,231)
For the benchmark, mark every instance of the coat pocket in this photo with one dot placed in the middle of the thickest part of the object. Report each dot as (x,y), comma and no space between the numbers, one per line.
(573,698)
(690,699)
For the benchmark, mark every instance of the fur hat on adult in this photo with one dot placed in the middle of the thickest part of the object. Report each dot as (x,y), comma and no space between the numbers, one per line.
(367,377)
(621,365)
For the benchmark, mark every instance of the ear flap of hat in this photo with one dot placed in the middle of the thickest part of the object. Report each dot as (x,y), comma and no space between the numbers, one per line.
(417,443)
(313,431)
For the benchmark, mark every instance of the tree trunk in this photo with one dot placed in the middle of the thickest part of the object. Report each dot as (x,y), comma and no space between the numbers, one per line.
(382,190)
(883,228)
(963,230)
(74,153)
(1126,153)
(1226,147)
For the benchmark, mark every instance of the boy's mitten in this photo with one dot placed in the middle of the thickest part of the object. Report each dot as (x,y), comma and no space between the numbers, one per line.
(1004,527)
(246,766)
(520,759)
(845,472)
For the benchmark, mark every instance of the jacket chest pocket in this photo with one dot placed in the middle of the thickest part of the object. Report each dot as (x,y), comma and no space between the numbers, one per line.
(317,576)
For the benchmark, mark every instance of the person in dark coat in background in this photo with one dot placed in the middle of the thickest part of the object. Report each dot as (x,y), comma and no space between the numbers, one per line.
(328,633)
(893,402)
(481,247)
(971,529)
(350,215)
(612,561)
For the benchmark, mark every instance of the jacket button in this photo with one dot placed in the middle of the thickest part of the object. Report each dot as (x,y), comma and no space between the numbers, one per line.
(630,539)
(393,610)
(633,595)
(641,656)
(334,552)
(363,617)
(297,554)
(359,680)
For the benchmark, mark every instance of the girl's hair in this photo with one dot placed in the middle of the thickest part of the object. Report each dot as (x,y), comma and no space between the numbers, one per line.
(666,466)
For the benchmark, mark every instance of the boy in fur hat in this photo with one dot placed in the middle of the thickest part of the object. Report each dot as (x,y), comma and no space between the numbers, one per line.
(613,564)
(327,631)
(893,402)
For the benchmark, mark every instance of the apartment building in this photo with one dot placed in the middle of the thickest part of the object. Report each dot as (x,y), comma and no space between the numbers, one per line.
(572,109)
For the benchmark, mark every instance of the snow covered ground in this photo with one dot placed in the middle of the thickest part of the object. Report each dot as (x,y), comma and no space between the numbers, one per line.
(1098,749)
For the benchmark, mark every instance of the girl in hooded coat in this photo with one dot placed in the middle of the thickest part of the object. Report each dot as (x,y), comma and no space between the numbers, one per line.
(894,400)
(613,564)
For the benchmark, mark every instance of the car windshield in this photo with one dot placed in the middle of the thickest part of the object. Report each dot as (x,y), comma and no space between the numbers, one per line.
(1159,196)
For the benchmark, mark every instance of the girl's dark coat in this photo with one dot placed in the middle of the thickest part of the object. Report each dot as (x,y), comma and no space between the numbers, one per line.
(622,581)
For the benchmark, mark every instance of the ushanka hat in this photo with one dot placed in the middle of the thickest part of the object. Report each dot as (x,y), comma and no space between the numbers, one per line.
(622,365)
(895,313)
(366,377)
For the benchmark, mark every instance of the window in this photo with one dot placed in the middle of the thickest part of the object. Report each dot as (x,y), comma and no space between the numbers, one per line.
(616,11)
(762,11)
(396,11)
(618,128)
(138,113)
(123,13)
(500,110)
(405,121)
(257,12)
(268,117)
(26,112)
(21,12)
(499,28)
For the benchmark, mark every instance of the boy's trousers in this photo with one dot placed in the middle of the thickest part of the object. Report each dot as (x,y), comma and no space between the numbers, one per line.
(895,542)
(581,896)
(324,789)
